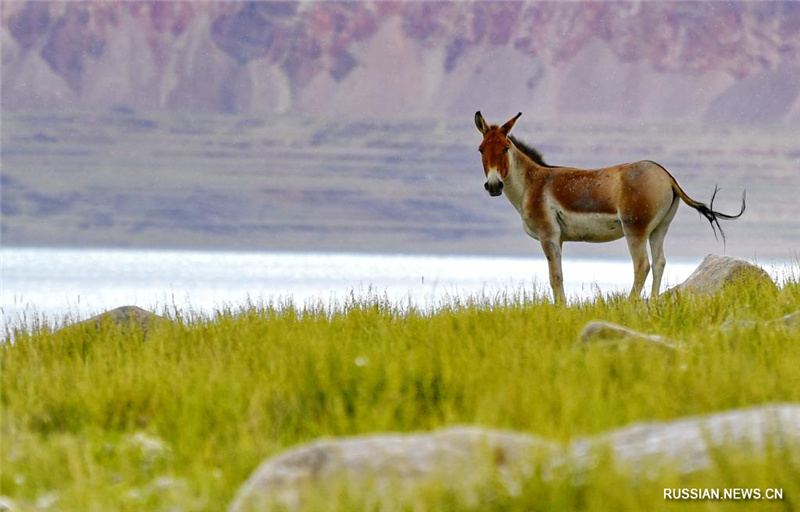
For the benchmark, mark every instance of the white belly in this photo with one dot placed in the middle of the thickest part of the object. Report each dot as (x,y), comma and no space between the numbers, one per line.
(589,227)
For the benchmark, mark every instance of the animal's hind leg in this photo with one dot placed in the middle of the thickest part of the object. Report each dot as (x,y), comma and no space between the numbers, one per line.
(659,261)
(637,245)
(657,247)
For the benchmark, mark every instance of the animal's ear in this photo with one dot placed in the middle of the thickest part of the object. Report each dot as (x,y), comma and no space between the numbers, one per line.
(480,122)
(506,128)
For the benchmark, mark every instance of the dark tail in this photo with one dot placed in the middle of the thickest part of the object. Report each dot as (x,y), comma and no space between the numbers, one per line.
(708,211)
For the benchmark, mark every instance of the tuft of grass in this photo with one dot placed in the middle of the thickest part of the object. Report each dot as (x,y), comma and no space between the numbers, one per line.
(110,419)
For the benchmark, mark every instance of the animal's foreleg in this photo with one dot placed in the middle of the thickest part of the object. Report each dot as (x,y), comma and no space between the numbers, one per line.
(552,250)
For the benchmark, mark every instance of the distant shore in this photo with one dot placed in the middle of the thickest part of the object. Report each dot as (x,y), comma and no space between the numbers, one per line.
(166,180)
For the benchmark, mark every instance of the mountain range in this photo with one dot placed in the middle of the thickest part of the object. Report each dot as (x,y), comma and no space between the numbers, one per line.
(719,62)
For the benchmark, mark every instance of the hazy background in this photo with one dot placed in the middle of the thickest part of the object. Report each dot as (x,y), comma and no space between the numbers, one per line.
(347,126)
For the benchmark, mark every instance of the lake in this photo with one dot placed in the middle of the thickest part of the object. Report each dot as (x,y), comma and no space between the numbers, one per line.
(53,284)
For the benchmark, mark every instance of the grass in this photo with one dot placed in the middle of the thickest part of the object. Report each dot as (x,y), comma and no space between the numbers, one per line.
(97,420)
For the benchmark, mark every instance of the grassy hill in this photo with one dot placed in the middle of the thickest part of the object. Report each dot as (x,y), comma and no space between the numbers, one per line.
(177,418)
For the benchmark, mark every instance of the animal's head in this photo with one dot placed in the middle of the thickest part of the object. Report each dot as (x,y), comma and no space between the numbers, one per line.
(494,152)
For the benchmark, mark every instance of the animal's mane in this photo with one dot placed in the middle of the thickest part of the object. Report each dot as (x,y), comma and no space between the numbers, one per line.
(530,152)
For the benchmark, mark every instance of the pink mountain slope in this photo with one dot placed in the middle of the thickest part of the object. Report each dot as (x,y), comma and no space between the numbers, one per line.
(712,61)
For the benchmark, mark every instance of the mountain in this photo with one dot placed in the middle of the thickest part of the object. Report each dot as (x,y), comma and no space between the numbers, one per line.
(717,62)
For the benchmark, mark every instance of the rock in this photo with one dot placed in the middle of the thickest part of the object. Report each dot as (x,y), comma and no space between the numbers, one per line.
(607,334)
(7,504)
(791,320)
(716,271)
(456,455)
(125,316)
(688,444)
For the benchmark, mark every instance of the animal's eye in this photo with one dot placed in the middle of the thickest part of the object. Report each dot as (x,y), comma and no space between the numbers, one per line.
(505,150)
(480,150)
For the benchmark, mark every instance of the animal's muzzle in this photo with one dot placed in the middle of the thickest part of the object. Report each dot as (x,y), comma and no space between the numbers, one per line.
(494,188)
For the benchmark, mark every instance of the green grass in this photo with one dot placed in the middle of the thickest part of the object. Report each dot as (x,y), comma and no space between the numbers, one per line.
(98,420)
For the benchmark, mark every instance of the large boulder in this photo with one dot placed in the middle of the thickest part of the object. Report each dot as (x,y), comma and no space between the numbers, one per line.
(465,457)
(715,272)
(126,317)
(689,444)
(458,455)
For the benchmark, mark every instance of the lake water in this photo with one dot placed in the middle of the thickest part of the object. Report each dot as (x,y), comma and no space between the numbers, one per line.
(56,284)
(52,284)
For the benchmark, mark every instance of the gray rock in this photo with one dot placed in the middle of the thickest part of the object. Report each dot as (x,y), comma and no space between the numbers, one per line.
(7,504)
(612,335)
(687,444)
(125,316)
(458,455)
(791,320)
(716,271)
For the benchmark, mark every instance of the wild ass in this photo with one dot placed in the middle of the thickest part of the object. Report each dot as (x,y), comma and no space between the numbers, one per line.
(559,204)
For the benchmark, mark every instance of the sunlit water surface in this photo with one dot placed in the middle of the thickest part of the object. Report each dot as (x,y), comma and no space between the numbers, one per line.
(58,285)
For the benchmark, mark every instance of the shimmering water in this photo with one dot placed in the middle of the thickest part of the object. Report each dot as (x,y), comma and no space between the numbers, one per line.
(77,283)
